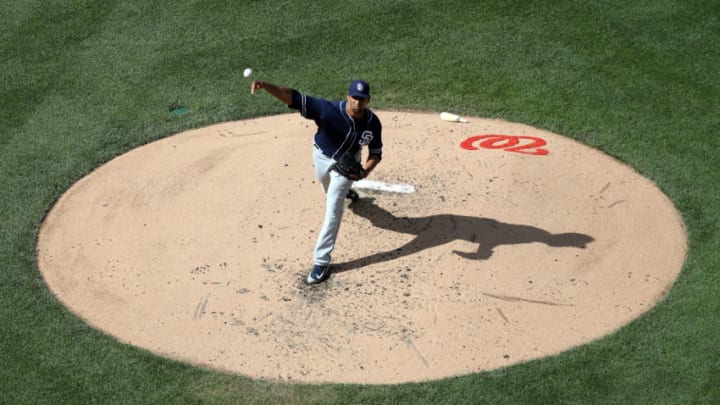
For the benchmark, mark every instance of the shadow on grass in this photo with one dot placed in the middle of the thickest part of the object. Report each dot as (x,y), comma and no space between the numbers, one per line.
(436,230)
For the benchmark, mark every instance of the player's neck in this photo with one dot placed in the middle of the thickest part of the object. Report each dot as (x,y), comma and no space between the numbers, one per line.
(356,115)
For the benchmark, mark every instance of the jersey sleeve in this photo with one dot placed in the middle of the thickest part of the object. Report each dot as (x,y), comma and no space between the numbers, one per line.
(309,107)
(375,145)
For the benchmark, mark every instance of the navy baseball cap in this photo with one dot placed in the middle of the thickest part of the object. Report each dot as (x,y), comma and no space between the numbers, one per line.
(359,88)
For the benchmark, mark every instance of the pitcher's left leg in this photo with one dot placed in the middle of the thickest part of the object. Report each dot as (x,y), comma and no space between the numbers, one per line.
(334,207)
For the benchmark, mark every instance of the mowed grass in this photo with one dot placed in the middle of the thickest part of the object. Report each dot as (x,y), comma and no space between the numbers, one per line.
(82,81)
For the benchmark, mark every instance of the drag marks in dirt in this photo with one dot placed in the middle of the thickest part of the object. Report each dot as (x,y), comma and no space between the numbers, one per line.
(200,309)
(283,309)
(518,299)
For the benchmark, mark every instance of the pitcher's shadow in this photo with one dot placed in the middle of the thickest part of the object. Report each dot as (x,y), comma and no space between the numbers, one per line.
(436,230)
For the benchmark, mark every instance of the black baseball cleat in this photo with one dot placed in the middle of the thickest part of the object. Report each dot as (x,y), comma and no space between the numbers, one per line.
(352,195)
(318,274)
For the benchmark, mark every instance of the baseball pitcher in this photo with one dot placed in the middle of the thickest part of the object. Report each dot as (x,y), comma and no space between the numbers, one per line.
(343,128)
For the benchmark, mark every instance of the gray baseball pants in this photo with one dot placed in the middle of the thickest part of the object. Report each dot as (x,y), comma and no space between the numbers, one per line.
(336,188)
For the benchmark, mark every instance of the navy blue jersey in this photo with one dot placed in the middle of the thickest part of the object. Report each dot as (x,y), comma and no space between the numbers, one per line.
(337,131)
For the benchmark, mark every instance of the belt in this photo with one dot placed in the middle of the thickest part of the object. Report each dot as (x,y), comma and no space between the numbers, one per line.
(321,151)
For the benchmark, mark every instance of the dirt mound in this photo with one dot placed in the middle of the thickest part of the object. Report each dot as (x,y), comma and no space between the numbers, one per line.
(515,244)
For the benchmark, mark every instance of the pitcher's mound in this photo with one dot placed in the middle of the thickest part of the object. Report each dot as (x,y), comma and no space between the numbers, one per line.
(515,244)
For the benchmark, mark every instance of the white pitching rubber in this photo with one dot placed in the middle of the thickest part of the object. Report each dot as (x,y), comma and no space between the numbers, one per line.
(382,186)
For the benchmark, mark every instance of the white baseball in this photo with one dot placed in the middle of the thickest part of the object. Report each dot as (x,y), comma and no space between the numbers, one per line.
(247,72)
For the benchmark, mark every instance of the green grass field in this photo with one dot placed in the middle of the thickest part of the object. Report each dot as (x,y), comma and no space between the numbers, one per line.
(84,81)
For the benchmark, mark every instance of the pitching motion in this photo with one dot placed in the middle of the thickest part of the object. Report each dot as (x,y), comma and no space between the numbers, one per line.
(343,128)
